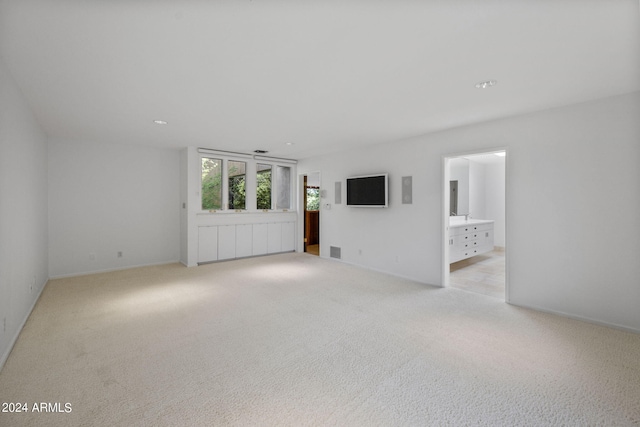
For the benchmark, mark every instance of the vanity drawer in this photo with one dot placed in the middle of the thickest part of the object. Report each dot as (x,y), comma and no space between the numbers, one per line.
(466,241)
(476,228)
(472,228)
(470,237)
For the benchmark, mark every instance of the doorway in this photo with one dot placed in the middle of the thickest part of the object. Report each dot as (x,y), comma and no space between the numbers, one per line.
(474,246)
(311,202)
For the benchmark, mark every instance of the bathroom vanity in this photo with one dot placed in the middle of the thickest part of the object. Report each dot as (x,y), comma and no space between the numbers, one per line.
(468,238)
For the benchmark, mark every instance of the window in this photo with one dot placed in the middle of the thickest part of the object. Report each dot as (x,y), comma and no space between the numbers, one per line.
(228,178)
(283,187)
(211,183)
(263,190)
(313,198)
(237,184)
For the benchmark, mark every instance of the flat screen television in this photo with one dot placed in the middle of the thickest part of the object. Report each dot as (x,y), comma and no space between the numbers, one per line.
(368,191)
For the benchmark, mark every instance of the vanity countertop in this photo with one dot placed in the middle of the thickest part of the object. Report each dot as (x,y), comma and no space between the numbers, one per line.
(455,222)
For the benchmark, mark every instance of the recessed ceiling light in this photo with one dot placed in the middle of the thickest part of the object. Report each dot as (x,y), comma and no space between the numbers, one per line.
(160,122)
(289,143)
(486,84)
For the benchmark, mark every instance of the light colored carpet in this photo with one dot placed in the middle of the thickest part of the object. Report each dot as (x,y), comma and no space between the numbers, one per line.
(297,340)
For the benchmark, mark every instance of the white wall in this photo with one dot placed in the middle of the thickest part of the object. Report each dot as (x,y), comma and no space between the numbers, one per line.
(495,191)
(23,211)
(105,199)
(573,199)
(184,212)
(459,171)
(477,190)
(487,195)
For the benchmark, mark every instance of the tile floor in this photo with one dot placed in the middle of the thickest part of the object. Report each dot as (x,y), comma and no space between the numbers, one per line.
(483,274)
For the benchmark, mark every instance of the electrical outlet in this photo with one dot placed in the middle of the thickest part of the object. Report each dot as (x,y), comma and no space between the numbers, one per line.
(92,256)
(119,254)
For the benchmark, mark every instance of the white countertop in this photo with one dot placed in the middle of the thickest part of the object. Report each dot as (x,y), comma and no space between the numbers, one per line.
(460,222)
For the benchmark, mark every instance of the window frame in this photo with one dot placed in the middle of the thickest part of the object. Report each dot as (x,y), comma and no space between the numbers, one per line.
(227,181)
(222,186)
(272,170)
(251,163)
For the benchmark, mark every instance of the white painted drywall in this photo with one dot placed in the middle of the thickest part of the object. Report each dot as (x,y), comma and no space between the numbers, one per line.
(494,178)
(477,190)
(23,211)
(573,199)
(184,212)
(459,171)
(109,198)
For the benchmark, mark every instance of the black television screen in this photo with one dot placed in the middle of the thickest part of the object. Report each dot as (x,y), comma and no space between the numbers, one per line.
(368,191)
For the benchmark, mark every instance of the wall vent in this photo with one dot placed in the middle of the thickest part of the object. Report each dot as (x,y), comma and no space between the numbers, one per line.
(334,252)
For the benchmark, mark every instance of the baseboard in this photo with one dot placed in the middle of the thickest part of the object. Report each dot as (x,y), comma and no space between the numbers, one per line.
(530,307)
(6,354)
(108,270)
(580,318)
(399,276)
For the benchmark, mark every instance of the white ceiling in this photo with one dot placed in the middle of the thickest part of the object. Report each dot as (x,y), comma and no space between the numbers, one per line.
(325,75)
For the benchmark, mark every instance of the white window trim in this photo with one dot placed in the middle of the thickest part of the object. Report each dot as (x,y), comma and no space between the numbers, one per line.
(251,196)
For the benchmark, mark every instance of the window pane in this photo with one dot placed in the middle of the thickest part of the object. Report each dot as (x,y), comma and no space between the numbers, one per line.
(263,192)
(283,187)
(313,199)
(237,181)
(211,184)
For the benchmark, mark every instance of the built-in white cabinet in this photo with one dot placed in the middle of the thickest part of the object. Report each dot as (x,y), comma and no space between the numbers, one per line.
(207,243)
(216,243)
(288,237)
(244,240)
(226,242)
(260,239)
(274,234)
(470,239)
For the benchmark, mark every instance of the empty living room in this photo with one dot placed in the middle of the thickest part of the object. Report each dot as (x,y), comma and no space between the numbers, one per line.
(166,167)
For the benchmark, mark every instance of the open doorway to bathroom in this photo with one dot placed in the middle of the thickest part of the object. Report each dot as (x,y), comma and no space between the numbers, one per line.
(311,197)
(475,226)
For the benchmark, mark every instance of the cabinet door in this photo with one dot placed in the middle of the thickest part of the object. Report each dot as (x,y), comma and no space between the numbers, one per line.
(274,235)
(485,240)
(244,240)
(260,239)
(288,236)
(207,244)
(226,241)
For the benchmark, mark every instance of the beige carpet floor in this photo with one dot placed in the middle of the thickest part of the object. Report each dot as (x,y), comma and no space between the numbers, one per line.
(296,340)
